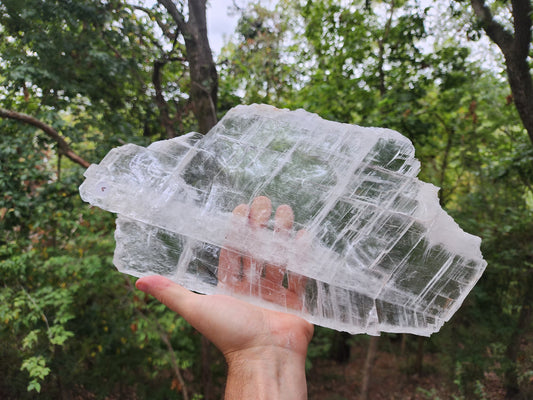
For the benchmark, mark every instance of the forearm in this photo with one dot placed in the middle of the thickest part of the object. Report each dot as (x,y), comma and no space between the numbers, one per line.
(274,374)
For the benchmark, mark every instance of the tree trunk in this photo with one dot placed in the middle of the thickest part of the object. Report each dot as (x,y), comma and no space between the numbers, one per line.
(369,364)
(512,352)
(166,121)
(381,51)
(203,92)
(340,349)
(522,90)
(202,69)
(204,77)
(403,344)
(419,361)
(515,48)
(207,378)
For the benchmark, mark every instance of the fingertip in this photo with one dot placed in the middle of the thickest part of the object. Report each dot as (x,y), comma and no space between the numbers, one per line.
(153,283)
(263,200)
(241,210)
(284,217)
(260,211)
(171,294)
(303,235)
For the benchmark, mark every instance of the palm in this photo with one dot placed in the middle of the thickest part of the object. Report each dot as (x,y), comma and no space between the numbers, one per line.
(235,326)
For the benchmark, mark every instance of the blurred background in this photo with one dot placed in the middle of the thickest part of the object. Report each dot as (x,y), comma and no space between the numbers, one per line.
(79,77)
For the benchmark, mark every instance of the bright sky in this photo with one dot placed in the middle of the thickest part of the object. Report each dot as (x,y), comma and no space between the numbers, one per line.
(220,25)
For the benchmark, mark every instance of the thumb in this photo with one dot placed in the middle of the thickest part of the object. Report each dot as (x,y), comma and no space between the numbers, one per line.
(174,296)
(210,315)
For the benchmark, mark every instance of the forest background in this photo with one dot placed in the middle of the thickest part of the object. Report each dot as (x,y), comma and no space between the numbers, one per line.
(79,77)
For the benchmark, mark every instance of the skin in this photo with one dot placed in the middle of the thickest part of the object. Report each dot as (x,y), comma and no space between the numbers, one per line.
(265,350)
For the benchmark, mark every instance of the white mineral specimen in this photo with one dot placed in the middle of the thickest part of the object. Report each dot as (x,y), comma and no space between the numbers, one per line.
(379,253)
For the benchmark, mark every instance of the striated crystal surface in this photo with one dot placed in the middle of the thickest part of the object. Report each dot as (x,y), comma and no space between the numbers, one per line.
(370,249)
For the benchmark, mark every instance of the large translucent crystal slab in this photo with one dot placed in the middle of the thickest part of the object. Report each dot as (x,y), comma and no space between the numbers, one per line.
(376,252)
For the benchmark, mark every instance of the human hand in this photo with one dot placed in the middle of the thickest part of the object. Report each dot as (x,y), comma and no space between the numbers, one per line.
(265,350)
(246,275)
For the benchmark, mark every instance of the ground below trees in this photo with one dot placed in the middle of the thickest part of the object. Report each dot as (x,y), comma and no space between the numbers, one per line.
(391,379)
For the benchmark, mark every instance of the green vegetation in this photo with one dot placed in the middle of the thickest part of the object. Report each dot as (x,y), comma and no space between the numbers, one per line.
(80,77)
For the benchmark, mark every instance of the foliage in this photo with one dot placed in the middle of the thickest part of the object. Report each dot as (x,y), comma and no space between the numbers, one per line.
(263,65)
(73,326)
(74,319)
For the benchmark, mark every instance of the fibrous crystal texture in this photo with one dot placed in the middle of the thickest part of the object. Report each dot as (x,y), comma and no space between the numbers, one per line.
(370,249)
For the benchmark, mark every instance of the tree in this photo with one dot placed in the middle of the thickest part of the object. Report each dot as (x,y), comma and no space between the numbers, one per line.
(515,46)
(263,65)
(69,58)
(203,92)
(63,146)
(78,78)
(365,59)
(203,73)
(366,65)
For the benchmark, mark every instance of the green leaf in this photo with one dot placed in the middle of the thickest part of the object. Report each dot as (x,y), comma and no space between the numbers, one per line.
(31,339)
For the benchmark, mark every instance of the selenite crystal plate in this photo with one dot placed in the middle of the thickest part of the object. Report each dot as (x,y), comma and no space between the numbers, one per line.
(375,251)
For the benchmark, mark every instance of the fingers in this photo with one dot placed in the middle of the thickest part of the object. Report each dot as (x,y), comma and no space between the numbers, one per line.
(296,282)
(260,212)
(229,262)
(243,274)
(283,221)
(290,296)
(241,210)
(229,268)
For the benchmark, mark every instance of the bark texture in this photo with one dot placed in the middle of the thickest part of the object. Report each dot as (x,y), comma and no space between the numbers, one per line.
(519,337)
(515,48)
(369,365)
(202,69)
(203,92)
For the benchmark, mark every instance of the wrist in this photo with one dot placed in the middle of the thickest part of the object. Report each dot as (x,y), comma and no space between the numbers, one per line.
(266,373)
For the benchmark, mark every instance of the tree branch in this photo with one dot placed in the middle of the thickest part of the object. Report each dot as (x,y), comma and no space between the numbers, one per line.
(381,52)
(496,32)
(164,28)
(160,101)
(443,193)
(175,14)
(64,148)
(515,48)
